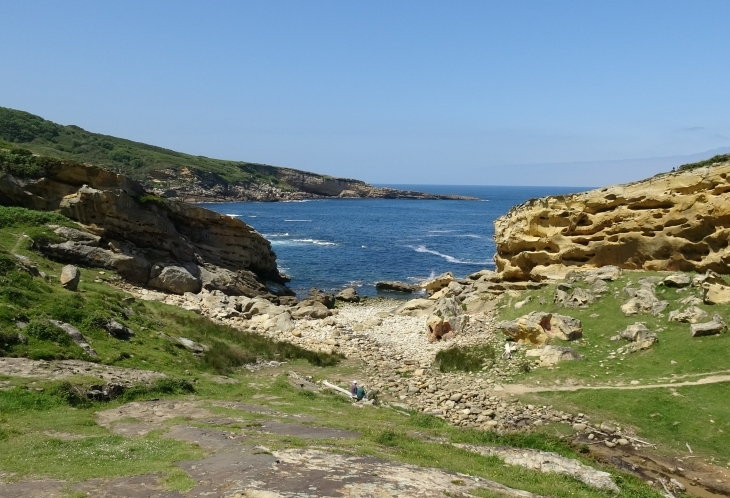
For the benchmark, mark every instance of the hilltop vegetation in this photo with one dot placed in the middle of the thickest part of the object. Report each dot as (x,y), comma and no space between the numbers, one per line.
(137,160)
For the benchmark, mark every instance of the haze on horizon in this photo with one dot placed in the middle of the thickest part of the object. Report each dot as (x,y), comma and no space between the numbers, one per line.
(563,93)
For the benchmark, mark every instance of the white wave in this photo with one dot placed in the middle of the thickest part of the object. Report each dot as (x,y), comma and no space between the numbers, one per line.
(269,235)
(299,221)
(441,231)
(315,242)
(448,258)
(234,215)
(252,216)
(471,236)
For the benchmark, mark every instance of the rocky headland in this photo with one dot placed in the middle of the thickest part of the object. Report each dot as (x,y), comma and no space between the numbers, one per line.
(672,221)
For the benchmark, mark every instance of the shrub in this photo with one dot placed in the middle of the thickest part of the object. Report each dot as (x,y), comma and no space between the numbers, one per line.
(465,359)
(46,331)
(16,216)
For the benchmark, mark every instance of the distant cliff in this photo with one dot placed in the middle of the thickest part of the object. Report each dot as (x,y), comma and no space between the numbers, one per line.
(673,221)
(173,174)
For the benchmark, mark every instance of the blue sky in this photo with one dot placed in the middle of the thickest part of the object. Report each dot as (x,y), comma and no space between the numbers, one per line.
(503,93)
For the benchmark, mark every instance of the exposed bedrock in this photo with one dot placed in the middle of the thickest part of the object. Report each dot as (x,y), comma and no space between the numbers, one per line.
(152,241)
(674,221)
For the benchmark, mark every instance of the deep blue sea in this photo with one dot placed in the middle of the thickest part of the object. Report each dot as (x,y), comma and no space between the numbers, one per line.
(334,243)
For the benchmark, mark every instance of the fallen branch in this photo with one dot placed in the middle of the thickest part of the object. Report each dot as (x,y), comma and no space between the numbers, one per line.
(688,447)
(640,441)
(338,389)
(666,490)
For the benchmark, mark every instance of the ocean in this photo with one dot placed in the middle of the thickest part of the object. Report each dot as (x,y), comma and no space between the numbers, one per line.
(336,243)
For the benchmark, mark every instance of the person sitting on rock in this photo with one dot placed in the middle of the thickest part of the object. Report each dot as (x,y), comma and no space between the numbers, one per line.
(353,389)
(360,393)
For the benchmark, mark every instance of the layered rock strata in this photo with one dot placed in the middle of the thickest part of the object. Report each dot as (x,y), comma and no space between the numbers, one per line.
(674,221)
(172,246)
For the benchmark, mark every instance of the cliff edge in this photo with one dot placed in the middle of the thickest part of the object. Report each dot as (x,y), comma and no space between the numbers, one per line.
(673,221)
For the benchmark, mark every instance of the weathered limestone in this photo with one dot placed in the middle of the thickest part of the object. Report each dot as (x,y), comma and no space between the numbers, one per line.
(538,327)
(348,295)
(714,327)
(674,221)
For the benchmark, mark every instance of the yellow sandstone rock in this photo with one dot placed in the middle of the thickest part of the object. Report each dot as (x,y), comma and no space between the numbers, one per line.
(673,221)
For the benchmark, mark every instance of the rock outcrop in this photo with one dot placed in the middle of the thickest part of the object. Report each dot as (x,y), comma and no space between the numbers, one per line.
(156,242)
(673,221)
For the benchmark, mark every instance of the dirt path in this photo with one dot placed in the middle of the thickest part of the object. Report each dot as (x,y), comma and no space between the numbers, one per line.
(523,389)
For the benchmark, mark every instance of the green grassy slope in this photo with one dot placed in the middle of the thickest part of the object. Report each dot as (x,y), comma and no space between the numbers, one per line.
(137,160)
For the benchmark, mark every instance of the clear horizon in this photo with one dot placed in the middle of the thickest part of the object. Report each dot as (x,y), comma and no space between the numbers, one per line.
(562,93)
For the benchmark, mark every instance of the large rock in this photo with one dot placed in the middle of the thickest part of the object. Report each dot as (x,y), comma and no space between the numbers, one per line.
(691,314)
(389,286)
(677,280)
(415,307)
(176,279)
(70,277)
(715,293)
(78,236)
(321,297)
(538,327)
(550,355)
(348,295)
(310,309)
(714,327)
(644,300)
(672,221)
(639,335)
(435,284)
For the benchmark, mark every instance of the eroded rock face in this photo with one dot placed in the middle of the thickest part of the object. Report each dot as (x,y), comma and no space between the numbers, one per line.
(132,232)
(675,221)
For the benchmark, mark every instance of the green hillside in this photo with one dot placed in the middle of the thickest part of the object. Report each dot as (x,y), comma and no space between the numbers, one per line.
(134,159)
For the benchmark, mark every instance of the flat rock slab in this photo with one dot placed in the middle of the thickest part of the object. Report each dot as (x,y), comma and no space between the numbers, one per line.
(303,431)
(210,439)
(61,369)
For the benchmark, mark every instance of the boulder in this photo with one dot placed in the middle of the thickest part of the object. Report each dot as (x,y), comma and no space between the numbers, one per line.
(76,336)
(120,257)
(415,307)
(117,330)
(326,299)
(527,329)
(644,301)
(388,286)
(192,346)
(437,328)
(599,287)
(176,279)
(639,335)
(677,280)
(714,327)
(70,276)
(435,284)
(691,314)
(310,309)
(579,297)
(715,293)
(281,323)
(564,327)
(550,355)
(348,295)
(453,289)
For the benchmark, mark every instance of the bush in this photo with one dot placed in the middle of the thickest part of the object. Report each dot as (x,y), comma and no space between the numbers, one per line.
(165,386)
(69,394)
(46,331)
(465,359)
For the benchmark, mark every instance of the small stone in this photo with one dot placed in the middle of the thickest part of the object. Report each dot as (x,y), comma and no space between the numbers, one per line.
(609,444)
(70,276)
(579,427)
(591,436)
(623,442)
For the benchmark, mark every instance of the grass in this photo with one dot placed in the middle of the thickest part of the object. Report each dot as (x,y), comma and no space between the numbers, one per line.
(676,357)
(721,158)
